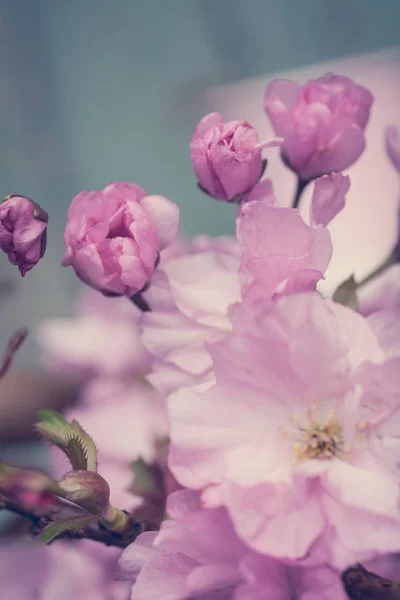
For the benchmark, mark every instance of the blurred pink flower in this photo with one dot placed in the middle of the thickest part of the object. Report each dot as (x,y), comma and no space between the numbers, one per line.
(279,252)
(286,437)
(113,237)
(322,122)
(393,146)
(103,339)
(62,571)
(328,198)
(226,157)
(23,232)
(382,293)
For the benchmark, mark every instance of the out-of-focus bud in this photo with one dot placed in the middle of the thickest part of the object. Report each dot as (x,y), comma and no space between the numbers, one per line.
(393,145)
(31,489)
(23,231)
(113,237)
(87,489)
(322,122)
(226,157)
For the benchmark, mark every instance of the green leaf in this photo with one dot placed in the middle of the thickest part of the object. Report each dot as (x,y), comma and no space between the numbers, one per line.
(71,438)
(71,525)
(346,293)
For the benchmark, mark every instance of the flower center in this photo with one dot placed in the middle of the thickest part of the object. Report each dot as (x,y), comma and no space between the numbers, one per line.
(317,438)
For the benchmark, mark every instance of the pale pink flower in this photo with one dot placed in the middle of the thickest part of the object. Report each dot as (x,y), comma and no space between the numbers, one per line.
(197,554)
(23,232)
(226,157)
(322,122)
(279,252)
(103,339)
(328,197)
(113,237)
(286,437)
(392,141)
(189,298)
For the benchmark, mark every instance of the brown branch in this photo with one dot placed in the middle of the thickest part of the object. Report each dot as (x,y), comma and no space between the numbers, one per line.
(96,533)
(361,584)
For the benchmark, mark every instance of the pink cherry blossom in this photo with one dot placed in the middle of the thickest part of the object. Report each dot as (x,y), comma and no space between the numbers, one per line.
(23,232)
(285,437)
(189,297)
(113,237)
(276,254)
(226,157)
(279,250)
(322,122)
(328,197)
(197,554)
(393,146)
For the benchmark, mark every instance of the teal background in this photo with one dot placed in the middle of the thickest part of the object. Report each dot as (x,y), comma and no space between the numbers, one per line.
(101,90)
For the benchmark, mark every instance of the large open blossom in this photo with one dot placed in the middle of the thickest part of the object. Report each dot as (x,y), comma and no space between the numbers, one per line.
(291,436)
(276,252)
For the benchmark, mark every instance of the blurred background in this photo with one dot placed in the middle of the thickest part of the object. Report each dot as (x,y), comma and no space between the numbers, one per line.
(101,90)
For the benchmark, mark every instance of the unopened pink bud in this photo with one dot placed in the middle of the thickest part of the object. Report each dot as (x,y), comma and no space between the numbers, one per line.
(322,122)
(23,227)
(113,237)
(226,157)
(88,489)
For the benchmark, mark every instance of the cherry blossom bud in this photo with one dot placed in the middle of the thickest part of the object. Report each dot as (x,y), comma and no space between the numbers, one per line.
(226,157)
(23,227)
(113,237)
(87,489)
(322,122)
(31,489)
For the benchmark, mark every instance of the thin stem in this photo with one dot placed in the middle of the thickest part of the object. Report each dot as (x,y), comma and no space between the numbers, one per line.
(301,185)
(140,302)
(388,262)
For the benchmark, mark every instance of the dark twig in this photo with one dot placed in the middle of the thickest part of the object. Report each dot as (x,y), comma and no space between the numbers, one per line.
(140,302)
(360,584)
(301,186)
(97,533)
(14,343)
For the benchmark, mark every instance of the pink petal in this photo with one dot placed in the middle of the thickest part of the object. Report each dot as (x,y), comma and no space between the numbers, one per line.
(164,216)
(328,197)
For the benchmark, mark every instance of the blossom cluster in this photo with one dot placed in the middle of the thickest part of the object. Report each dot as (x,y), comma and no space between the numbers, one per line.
(271,411)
